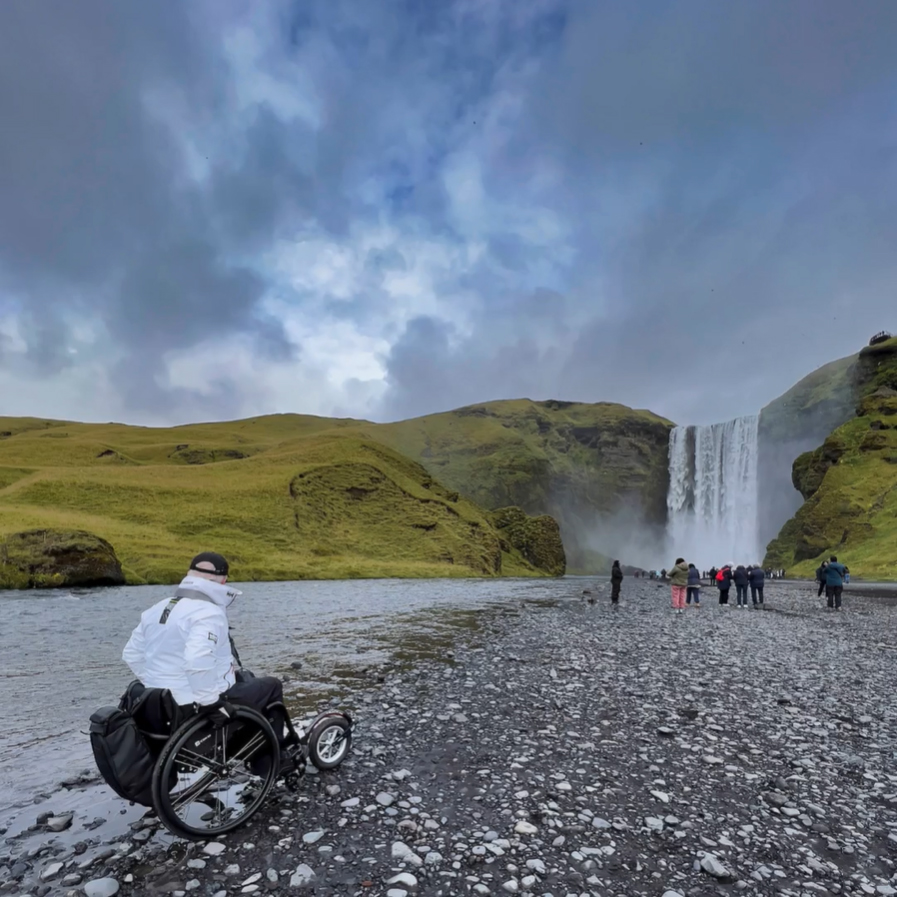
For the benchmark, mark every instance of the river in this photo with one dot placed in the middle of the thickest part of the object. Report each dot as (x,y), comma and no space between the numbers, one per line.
(61,652)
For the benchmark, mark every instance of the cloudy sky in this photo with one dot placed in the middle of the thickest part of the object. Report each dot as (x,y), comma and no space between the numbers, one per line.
(383,208)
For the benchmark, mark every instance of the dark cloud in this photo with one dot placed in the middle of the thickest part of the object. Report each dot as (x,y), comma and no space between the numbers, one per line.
(729,178)
(683,206)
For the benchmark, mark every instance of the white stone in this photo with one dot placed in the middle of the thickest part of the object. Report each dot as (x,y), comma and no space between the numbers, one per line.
(524,828)
(662,796)
(214,849)
(598,822)
(401,851)
(303,876)
(672,894)
(51,870)
(351,802)
(536,866)
(511,886)
(396,892)
(60,823)
(433,858)
(101,887)
(253,878)
(714,867)
(403,878)
(385,799)
(313,837)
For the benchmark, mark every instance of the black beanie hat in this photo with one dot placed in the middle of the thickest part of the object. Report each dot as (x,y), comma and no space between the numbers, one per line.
(218,562)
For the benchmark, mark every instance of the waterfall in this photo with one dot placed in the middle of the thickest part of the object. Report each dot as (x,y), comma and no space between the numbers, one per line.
(712,500)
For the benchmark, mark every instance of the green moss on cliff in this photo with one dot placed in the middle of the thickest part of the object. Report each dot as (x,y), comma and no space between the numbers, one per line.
(850,483)
(580,463)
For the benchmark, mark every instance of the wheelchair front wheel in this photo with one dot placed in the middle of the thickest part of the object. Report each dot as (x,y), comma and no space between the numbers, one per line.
(209,781)
(329,742)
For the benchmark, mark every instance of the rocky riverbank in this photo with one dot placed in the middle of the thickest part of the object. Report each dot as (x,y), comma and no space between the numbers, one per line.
(570,749)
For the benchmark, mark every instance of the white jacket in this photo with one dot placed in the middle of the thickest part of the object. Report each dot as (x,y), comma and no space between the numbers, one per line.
(189,653)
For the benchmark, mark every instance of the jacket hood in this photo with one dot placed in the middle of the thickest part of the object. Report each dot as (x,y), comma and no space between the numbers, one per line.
(221,594)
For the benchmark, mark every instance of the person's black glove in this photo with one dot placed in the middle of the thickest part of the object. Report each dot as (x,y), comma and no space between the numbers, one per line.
(221,712)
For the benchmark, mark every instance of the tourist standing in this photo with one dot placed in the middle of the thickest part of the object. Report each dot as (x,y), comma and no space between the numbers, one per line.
(834,582)
(679,584)
(694,586)
(757,577)
(724,583)
(820,578)
(741,585)
(616,580)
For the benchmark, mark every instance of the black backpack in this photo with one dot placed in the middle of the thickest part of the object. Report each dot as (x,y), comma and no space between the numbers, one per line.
(124,755)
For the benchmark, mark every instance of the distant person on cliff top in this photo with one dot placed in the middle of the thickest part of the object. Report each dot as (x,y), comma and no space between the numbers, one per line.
(724,583)
(756,577)
(183,644)
(835,575)
(740,577)
(820,578)
(616,580)
(679,584)
(694,586)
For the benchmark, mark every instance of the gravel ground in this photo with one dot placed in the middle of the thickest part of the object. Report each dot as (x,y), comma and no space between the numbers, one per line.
(576,749)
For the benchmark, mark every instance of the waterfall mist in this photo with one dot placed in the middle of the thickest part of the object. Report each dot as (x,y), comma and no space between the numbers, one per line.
(713,496)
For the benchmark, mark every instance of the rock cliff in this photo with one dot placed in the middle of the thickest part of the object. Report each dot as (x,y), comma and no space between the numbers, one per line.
(849,483)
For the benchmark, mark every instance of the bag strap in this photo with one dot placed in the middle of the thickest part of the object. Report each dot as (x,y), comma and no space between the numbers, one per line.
(167,612)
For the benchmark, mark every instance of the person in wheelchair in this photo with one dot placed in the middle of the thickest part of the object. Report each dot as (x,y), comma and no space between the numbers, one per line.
(183,644)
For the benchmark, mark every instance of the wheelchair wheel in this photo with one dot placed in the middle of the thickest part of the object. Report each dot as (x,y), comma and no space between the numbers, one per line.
(209,781)
(329,742)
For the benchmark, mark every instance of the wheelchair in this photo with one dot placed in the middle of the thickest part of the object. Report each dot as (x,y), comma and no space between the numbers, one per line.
(203,778)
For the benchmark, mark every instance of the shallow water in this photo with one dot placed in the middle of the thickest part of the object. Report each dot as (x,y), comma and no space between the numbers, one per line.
(62,651)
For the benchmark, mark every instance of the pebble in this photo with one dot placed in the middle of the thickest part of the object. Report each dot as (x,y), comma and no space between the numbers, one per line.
(214,848)
(313,837)
(101,887)
(302,877)
(60,823)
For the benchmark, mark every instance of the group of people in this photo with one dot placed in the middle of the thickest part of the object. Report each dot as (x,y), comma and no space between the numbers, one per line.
(685,581)
(831,577)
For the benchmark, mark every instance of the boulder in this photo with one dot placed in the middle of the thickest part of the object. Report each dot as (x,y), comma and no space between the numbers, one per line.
(49,558)
(538,539)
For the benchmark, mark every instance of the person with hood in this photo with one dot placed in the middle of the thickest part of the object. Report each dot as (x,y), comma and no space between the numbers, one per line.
(740,576)
(835,574)
(616,580)
(756,577)
(820,578)
(679,584)
(694,586)
(183,644)
(724,582)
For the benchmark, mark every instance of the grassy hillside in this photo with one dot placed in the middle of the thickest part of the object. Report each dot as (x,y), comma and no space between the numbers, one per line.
(285,497)
(584,464)
(849,483)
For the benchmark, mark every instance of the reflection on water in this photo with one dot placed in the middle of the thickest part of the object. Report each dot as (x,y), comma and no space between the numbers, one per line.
(62,652)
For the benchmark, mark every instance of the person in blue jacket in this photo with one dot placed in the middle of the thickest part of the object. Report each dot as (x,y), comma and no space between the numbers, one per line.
(835,574)
(694,586)
(756,577)
(741,585)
